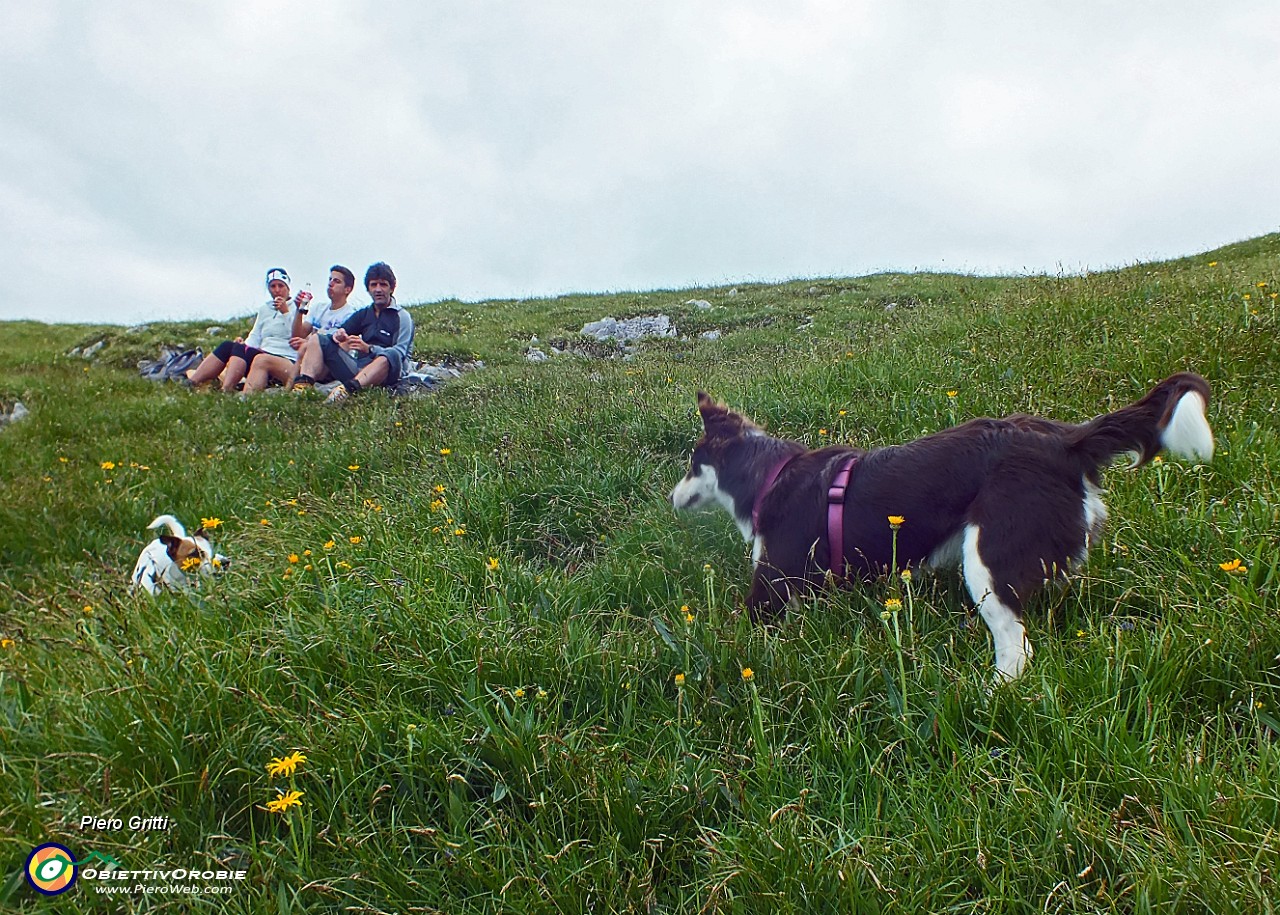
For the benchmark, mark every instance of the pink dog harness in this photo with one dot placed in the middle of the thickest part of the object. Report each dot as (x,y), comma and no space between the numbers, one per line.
(835,516)
(835,508)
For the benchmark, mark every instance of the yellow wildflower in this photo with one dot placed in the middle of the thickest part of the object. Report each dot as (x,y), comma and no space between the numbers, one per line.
(356,539)
(953,394)
(330,544)
(293,557)
(492,564)
(191,562)
(748,674)
(679,679)
(893,603)
(285,801)
(445,451)
(285,765)
(896,521)
(6,644)
(906,575)
(353,467)
(108,465)
(211,523)
(1234,565)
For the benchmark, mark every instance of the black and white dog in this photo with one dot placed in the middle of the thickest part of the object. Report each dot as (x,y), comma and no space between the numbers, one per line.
(1013,502)
(166,562)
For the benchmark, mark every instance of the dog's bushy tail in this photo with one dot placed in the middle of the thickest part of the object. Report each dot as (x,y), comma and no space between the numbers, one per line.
(1171,416)
(174,525)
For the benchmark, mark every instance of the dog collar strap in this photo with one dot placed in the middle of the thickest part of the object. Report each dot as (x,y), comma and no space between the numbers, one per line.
(835,516)
(769,479)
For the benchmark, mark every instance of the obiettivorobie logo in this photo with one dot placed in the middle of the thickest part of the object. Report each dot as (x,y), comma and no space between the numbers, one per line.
(52,869)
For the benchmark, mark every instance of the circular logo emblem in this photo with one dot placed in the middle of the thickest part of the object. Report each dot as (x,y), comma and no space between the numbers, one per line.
(51,868)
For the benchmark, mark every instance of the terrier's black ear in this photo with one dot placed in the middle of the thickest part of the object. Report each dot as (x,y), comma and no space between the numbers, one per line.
(172,545)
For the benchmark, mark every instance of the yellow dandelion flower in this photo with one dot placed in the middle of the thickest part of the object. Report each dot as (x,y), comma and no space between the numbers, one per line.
(906,575)
(285,801)
(293,558)
(1213,263)
(211,523)
(1261,285)
(88,610)
(191,562)
(286,765)
(62,460)
(446,452)
(356,539)
(748,674)
(264,522)
(1234,565)
(822,431)
(519,694)
(893,603)
(6,644)
(953,394)
(330,544)
(896,521)
(492,564)
(542,693)
(439,487)
(844,412)
(679,679)
(343,564)
(459,532)
(353,467)
(108,465)
(1079,633)
(306,552)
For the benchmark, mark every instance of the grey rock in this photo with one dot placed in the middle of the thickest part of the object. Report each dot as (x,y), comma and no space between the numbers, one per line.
(630,328)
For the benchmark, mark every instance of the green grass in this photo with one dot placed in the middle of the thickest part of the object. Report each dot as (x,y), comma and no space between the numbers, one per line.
(484,684)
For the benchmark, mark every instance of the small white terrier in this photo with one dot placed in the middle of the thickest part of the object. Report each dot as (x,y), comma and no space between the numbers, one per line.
(166,562)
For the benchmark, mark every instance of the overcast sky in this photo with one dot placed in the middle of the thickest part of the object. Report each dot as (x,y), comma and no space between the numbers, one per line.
(156,158)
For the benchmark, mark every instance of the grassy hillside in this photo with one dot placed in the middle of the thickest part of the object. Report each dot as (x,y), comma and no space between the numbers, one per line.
(469,610)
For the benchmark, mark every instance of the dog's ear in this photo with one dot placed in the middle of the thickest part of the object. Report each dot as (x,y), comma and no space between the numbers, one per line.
(172,544)
(719,420)
(712,413)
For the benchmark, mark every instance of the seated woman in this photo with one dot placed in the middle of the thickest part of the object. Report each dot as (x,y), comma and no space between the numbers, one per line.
(270,337)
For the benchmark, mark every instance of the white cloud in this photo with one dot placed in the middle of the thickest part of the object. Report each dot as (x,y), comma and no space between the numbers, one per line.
(158,158)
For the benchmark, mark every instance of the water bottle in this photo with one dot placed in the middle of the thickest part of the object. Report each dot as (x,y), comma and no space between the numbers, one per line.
(304,298)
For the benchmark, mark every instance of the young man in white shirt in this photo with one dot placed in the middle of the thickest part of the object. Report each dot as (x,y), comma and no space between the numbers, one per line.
(306,329)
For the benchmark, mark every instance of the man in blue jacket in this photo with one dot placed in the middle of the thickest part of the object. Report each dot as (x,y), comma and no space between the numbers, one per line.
(371,347)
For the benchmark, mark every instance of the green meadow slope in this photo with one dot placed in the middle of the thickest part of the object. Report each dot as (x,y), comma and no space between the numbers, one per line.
(469,611)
